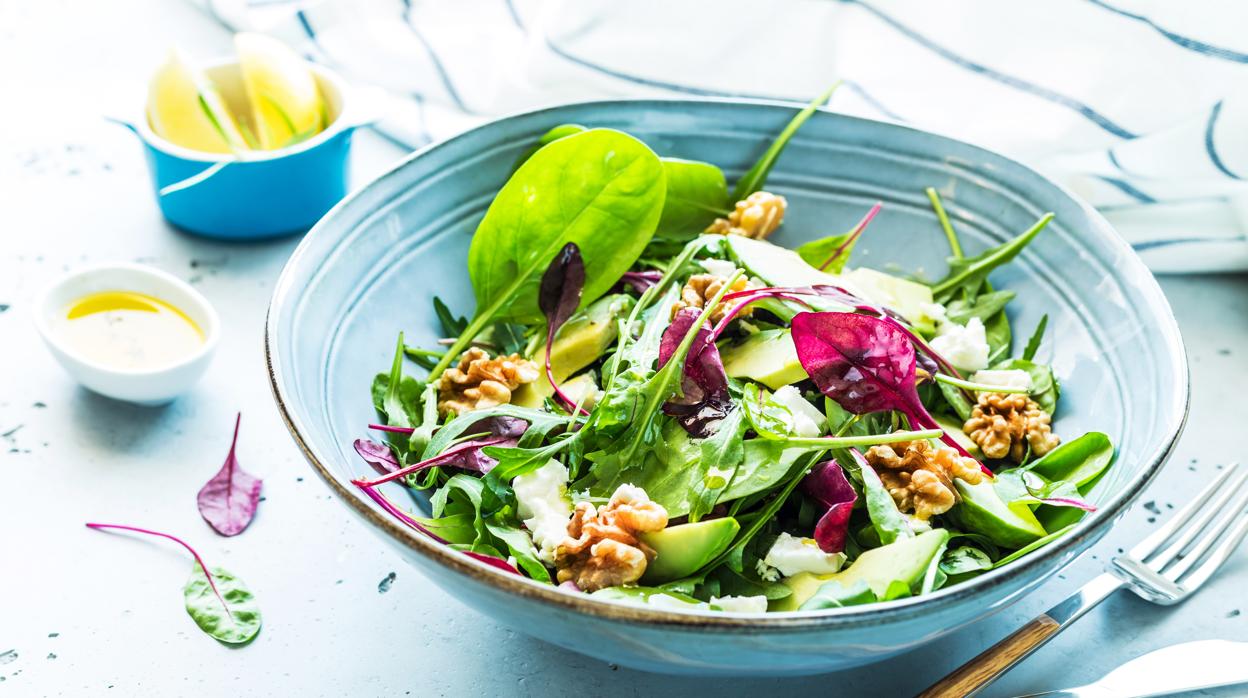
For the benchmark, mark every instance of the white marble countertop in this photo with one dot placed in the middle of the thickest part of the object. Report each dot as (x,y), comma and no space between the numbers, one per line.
(83,612)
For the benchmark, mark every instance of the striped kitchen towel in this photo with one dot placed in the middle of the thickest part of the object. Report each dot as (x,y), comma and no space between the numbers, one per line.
(1139,106)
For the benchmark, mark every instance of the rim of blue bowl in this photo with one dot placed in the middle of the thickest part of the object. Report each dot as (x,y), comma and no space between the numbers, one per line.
(889,611)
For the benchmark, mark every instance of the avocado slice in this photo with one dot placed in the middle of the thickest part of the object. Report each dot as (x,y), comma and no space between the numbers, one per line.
(585,337)
(905,560)
(983,511)
(780,266)
(682,550)
(534,394)
(768,357)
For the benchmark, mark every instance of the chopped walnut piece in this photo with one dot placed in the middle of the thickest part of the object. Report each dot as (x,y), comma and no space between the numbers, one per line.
(702,287)
(1007,424)
(919,475)
(756,216)
(479,381)
(602,548)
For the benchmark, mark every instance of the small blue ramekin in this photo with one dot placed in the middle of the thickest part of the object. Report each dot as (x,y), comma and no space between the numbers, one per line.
(262,194)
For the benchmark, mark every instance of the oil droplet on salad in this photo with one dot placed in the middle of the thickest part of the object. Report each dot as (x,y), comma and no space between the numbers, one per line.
(128,331)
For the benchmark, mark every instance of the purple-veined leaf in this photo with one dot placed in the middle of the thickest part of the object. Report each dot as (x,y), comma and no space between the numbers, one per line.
(377,455)
(229,500)
(866,364)
(640,281)
(465,455)
(826,483)
(384,502)
(704,397)
(390,429)
(558,297)
(853,236)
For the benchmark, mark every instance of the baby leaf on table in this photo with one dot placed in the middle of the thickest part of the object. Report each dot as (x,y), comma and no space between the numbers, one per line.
(558,297)
(218,602)
(229,500)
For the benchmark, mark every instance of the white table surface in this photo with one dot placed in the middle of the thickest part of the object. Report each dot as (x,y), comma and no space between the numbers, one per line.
(85,612)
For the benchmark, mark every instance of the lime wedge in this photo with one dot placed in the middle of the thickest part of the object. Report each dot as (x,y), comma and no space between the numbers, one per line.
(286,105)
(184,108)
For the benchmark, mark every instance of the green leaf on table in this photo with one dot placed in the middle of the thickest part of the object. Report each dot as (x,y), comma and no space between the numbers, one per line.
(601,189)
(233,617)
(754,179)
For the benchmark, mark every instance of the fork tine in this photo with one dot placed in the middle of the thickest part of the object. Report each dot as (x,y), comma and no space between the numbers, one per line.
(1224,522)
(1149,545)
(1208,510)
(1219,556)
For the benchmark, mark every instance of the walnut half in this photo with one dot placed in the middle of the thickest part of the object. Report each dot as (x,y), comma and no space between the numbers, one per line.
(702,287)
(756,216)
(1007,424)
(479,381)
(919,475)
(602,548)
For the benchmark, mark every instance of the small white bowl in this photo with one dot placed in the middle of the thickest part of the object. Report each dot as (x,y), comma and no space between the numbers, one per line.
(140,386)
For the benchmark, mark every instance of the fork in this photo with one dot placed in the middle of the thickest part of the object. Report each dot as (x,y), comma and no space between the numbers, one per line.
(1165,568)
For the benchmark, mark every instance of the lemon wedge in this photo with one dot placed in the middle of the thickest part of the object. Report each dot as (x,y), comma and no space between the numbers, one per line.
(286,105)
(184,108)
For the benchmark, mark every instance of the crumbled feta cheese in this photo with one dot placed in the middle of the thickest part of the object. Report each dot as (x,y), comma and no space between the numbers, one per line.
(542,503)
(766,572)
(917,525)
(718,267)
(741,604)
(1008,378)
(934,311)
(791,555)
(807,420)
(965,347)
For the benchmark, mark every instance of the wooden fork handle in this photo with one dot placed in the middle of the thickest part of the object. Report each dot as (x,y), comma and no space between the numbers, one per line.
(995,660)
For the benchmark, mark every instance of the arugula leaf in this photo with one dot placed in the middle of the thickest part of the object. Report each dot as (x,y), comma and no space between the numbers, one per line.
(999,335)
(452,326)
(464,494)
(1033,344)
(508,337)
(985,307)
(754,179)
(1033,546)
(886,518)
(969,274)
(721,456)
(398,402)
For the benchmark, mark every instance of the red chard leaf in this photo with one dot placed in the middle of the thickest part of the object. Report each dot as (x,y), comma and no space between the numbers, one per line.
(704,398)
(826,483)
(392,430)
(640,281)
(229,500)
(377,455)
(852,238)
(558,297)
(866,364)
(466,455)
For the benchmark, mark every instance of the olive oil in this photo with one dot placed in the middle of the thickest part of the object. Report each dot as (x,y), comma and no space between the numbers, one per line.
(128,331)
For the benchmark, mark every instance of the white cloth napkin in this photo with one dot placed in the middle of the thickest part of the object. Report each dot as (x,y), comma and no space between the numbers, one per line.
(1139,106)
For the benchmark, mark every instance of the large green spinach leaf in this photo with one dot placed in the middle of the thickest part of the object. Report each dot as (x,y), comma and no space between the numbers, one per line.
(600,189)
(697,192)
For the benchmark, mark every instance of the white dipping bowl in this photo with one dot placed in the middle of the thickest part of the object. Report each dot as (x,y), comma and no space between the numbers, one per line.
(155,386)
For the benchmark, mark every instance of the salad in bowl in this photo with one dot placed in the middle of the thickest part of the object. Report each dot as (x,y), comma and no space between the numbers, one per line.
(654,404)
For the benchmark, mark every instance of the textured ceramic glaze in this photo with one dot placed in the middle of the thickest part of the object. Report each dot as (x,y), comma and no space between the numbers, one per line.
(370,268)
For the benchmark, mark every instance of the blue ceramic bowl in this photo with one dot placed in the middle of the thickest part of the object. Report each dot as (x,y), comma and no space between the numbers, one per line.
(267,194)
(369,269)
